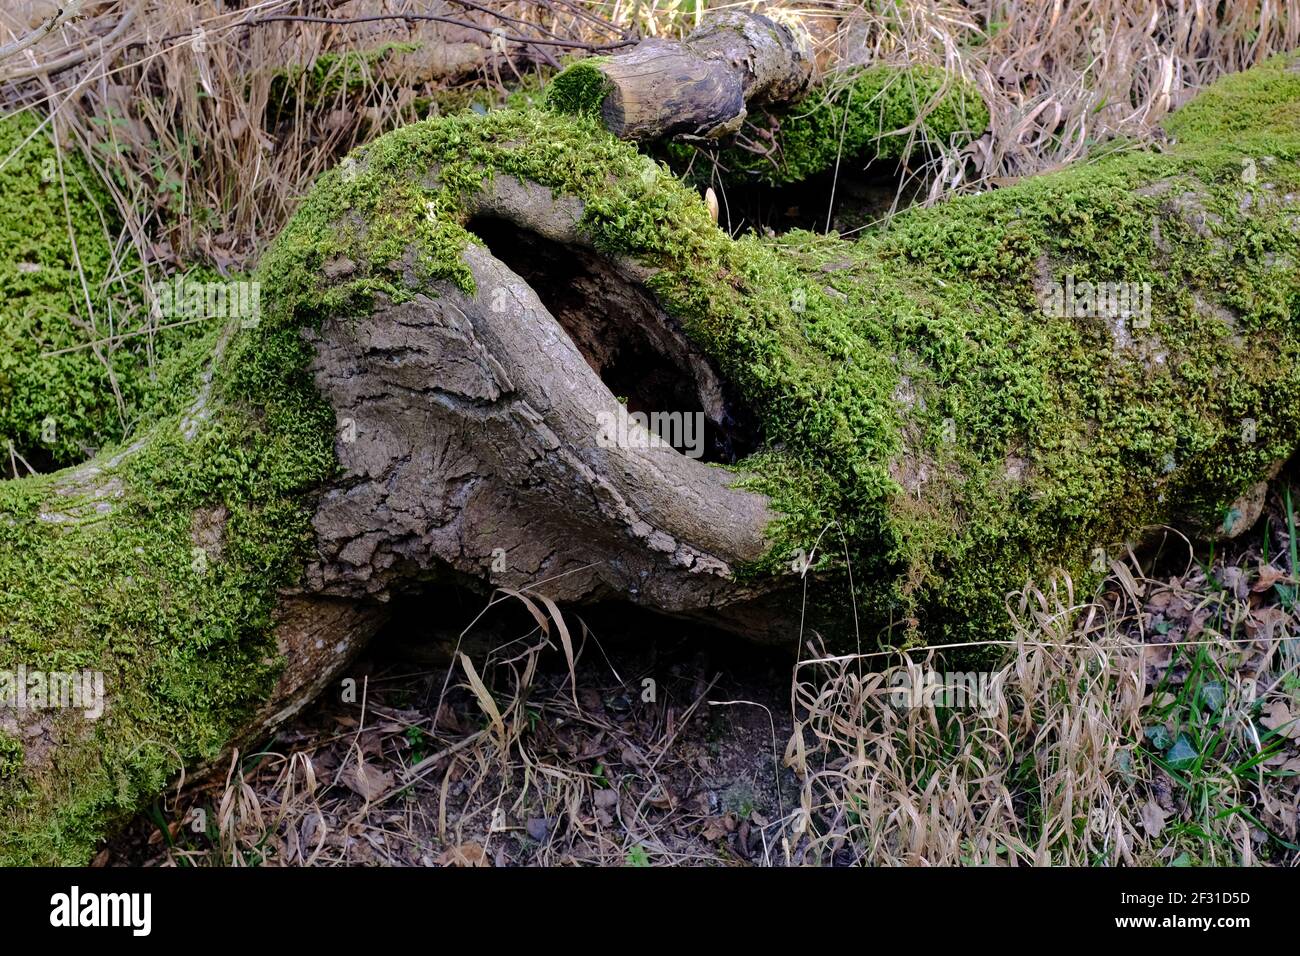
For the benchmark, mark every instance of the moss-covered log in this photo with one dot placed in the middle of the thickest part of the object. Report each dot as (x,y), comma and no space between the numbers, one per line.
(450,322)
(742,70)
(882,112)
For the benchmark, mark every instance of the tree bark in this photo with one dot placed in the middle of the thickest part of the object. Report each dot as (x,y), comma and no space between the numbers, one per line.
(699,87)
(481,305)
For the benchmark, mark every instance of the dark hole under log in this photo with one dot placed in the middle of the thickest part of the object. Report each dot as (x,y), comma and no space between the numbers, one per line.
(851,200)
(622,334)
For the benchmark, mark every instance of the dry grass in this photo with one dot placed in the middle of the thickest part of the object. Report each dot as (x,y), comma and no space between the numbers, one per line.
(1070,769)
(1061,77)
(206,142)
(1155,723)
(205,124)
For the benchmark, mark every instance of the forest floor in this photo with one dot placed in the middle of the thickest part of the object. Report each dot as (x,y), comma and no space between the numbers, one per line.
(1157,721)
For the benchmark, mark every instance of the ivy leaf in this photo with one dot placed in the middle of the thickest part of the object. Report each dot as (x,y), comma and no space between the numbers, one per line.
(1212,695)
(637,856)
(1158,734)
(1182,754)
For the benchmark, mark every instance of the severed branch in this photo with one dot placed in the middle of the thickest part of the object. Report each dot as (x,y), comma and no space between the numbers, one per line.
(435,18)
(698,87)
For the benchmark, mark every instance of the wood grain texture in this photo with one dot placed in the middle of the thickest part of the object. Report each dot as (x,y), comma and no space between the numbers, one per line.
(700,87)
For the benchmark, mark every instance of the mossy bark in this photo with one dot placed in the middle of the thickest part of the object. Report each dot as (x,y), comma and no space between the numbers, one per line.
(411,407)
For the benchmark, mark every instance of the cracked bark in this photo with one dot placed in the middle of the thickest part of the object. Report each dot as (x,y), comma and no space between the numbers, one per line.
(472,443)
(699,87)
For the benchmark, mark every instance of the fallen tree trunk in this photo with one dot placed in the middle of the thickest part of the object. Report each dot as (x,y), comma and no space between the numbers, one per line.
(742,69)
(459,329)
(697,87)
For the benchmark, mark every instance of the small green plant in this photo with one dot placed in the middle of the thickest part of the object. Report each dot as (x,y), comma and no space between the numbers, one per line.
(11,756)
(417,738)
(1192,734)
(637,856)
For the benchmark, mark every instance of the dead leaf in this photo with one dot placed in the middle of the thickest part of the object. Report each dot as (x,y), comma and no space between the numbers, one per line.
(312,832)
(1164,790)
(715,828)
(466,854)
(1264,622)
(662,799)
(1160,600)
(1197,626)
(1153,818)
(1268,576)
(366,781)
(606,803)
(1278,717)
(1234,579)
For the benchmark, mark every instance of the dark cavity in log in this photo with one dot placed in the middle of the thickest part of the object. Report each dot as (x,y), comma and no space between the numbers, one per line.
(639,352)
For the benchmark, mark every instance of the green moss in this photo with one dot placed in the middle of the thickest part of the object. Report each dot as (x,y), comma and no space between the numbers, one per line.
(116,585)
(874,112)
(60,291)
(911,388)
(11,757)
(915,399)
(98,570)
(525,92)
(1257,104)
(579,90)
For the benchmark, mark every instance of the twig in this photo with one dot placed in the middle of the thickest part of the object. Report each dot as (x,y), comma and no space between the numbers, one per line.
(57,19)
(76,57)
(415,17)
(686,717)
(420,769)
